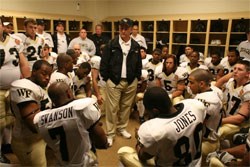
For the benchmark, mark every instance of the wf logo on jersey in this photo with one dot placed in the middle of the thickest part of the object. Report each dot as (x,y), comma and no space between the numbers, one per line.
(24,92)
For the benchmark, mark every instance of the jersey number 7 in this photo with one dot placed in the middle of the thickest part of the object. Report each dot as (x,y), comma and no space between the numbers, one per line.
(59,131)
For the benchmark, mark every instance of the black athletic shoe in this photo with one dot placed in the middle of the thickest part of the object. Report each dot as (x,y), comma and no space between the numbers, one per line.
(240,138)
(4,159)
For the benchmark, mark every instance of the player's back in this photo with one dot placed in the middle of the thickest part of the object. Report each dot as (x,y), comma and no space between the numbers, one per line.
(213,104)
(65,130)
(175,140)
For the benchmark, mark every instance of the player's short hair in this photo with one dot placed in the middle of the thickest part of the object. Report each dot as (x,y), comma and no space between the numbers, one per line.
(237,53)
(202,75)
(157,51)
(196,52)
(57,92)
(216,53)
(85,65)
(29,20)
(38,64)
(46,46)
(246,63)
(143,48)
(157,98)
(189,46)
(62,59)
(99,25)
(71,52)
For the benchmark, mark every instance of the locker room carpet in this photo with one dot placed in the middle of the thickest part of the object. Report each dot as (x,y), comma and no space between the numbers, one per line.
(106,158)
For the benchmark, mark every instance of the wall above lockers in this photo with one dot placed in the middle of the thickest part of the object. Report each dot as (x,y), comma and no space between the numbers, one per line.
(98,10)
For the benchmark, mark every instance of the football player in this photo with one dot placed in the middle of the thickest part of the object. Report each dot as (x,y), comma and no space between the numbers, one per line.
(173,134)
(199,83)
(64,72)
(172,78)
(214,66)
(32,43)
(154,63)
(72,127)
(81,81)
(28,97)
(237,98)
(97,81)
(13,66)
(228,62)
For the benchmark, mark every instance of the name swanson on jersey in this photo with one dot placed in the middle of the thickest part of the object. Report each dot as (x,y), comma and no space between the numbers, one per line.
(54,116)
(184,121)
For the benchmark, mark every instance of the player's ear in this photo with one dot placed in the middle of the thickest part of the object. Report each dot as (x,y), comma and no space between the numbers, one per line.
(69,94)
(202,84)
(155,112)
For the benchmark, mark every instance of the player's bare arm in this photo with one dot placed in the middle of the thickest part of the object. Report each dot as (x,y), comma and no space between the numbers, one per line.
(98,136)
(95,73)
(142,154)
(28,110)
(220,82)
(240,117)
(24,66)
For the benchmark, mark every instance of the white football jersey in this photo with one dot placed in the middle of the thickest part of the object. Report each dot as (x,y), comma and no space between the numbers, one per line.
(24,90)
(235,96)
(213,105)
(60,77)
(65,130)
(189,70)
(95,64)
(79,84)
(175,140)
(151,72)
(169,82)
(226,66)
(9,69)
(212,68)
(47,39)
(32,48)
(146,61)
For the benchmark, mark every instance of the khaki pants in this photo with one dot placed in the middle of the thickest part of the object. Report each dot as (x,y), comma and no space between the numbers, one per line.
(103,93)
(119,100)
(6,117)
(30,151)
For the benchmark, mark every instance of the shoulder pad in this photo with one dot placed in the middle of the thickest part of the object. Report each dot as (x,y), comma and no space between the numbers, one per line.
(83,103)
